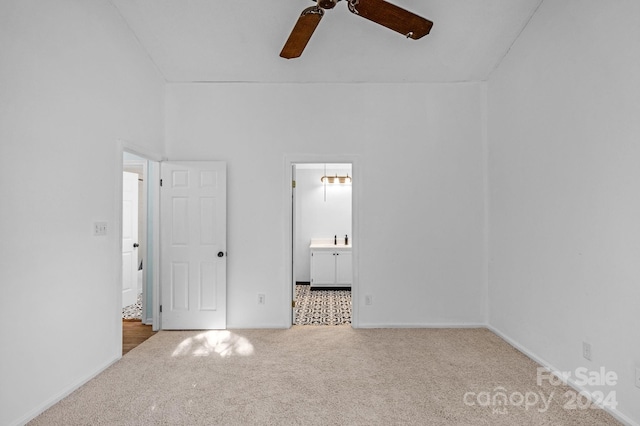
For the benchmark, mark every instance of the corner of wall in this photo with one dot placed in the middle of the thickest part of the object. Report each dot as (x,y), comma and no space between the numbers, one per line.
(486,207)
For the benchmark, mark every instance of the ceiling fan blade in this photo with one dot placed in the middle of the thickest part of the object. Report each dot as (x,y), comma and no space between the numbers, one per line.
(302,32)
(391,16)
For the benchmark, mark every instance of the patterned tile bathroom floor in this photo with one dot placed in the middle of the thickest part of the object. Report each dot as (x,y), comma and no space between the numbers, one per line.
(322,307)
(133,311)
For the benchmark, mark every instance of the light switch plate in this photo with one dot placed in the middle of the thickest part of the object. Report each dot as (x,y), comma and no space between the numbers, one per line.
(99,229)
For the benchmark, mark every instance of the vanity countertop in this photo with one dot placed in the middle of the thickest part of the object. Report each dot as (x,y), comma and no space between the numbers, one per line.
(329,246)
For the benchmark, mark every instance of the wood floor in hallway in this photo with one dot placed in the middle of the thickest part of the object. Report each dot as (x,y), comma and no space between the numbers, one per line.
(134,332)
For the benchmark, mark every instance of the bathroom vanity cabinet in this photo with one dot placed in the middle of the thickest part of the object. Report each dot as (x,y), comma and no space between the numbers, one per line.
(330,265)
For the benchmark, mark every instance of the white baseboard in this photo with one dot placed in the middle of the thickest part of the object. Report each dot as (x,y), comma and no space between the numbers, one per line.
(368,325)
(254,326)
(62,394)
(422,325)
(570,382)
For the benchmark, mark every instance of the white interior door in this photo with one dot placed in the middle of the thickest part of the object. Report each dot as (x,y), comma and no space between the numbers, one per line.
(193,237)
(129,238)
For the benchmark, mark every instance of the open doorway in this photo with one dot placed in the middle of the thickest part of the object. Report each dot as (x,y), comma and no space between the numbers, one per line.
(145,285)
(322,241)
(139,254)
(145,168)
(134,237)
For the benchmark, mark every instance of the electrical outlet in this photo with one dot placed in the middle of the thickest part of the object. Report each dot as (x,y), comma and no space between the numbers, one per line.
(261,299)
(638,377)
(99,229)
(368,300)
(586,350)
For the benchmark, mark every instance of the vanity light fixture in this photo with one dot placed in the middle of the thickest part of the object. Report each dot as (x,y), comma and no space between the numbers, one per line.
(336,178)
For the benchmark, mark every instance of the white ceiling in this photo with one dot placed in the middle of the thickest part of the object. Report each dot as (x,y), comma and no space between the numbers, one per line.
(240,40)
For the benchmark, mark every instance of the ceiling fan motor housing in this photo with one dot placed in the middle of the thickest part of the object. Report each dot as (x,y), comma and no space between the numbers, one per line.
(327,4)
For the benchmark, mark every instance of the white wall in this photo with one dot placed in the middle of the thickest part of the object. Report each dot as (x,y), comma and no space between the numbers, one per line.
(421,234)
(73,81)
(322,211)
(564,156)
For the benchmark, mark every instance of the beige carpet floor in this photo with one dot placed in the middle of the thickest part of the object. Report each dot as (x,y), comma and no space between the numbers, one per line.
(320,376)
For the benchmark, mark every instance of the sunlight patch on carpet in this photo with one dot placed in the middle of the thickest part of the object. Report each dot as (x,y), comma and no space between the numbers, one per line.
(220,342)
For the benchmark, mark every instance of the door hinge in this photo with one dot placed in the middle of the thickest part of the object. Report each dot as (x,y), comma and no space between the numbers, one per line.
(293,303)
(293,183)
(160,308)
(160,182)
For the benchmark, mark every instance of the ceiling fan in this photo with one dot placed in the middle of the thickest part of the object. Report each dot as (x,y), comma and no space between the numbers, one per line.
(379,11)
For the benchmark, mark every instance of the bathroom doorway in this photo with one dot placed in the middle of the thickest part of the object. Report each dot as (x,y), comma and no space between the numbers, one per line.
(322,243)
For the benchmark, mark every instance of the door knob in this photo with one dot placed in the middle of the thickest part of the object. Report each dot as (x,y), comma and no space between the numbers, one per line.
(220,254)
(136,245)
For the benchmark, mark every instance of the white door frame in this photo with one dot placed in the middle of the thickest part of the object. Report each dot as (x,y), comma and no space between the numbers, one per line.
(356,164)
(153,251)
(293,244)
